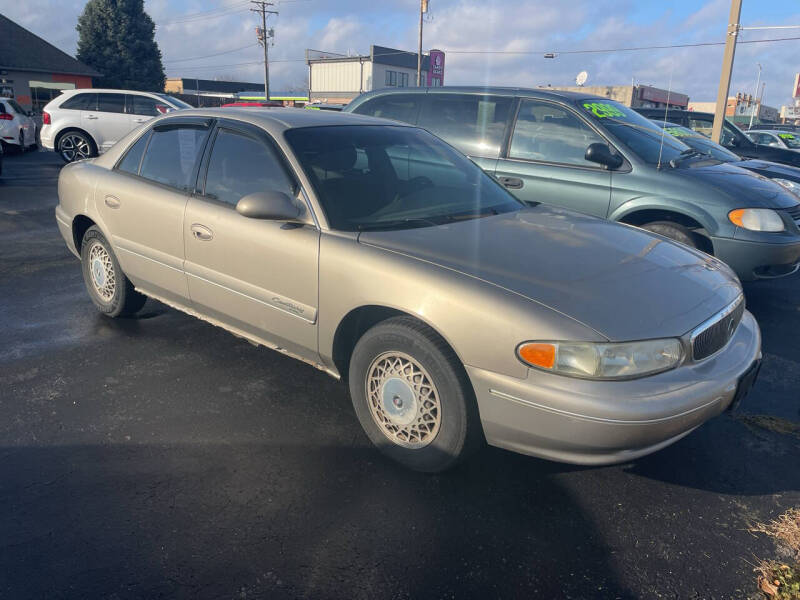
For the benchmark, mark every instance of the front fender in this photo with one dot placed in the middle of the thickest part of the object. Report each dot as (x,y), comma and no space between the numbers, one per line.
(682,207)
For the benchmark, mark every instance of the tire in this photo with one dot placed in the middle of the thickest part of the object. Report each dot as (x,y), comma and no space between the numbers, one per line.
(75,145)
(21,142)
(448,428)
(674,231)
(109,289)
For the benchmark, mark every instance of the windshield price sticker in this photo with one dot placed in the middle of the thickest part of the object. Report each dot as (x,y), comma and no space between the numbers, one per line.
(603,110)
(786,136)
(677,132)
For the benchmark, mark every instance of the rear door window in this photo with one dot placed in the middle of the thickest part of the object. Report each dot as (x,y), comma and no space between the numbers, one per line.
(551,133)
(474,124)
(111,103)
(172,154)
(240,165)
(81,102)
(398,107)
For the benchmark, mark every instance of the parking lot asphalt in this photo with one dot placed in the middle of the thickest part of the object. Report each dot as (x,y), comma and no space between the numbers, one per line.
(161,457)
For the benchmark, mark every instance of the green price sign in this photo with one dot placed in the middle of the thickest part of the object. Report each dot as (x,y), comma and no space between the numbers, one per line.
(603,110)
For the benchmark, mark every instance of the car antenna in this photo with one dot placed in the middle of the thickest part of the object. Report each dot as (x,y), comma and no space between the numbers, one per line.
(666,110)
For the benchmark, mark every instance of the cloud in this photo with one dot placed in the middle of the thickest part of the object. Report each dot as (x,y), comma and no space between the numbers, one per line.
(525,29)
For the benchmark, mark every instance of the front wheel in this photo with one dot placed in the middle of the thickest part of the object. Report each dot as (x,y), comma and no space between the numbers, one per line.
(674,231)
(109,289)
(412,396)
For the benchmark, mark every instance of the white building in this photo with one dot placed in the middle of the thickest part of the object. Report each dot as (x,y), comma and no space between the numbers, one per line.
(337,79)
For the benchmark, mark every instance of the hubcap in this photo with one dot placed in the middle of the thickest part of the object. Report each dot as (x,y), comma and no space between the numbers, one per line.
(403,401)
(102,272)
(74,147)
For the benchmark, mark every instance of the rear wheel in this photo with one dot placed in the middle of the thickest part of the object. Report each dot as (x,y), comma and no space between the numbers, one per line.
(412,396)
(74,145)
(674,231)
(109,289)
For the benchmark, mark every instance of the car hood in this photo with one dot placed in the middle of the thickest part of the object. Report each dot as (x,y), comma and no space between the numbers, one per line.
(746,188)
(621,281)
(770,169)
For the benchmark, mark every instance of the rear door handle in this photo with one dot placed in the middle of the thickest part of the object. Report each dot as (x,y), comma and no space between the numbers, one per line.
(91,117)
(112,202)
(201,232)
(139,120)
(512,183)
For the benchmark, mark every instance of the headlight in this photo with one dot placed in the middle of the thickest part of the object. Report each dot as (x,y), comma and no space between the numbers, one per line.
(592,360)
(792,186)
(757,219)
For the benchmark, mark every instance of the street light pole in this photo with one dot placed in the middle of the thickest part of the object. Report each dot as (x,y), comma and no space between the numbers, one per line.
(727,68)
(758,103)
(423,8)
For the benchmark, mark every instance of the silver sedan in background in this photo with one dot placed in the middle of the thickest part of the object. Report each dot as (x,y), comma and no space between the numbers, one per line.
(379,254)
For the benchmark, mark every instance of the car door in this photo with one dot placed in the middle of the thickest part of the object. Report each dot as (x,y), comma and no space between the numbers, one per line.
(143,108)
(108,122)
(256,276)
(545,159)
(142,200)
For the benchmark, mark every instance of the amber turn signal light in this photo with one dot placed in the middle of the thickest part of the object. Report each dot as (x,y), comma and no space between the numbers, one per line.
(538,354)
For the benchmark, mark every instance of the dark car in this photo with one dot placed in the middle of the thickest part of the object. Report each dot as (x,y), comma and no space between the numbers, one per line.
(733,138)
(601,158)
(788,177)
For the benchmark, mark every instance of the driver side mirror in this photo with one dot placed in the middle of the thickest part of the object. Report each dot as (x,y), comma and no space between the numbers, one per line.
(602,155)
(271,205)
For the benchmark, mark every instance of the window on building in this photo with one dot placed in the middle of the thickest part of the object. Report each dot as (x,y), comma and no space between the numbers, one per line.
(172,153)
(241,165)
(474,124)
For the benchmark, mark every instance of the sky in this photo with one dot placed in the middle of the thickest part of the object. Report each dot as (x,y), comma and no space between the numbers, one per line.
(499,42)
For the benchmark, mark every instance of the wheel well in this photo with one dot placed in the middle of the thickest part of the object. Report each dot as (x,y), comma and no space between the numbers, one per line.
(77,129)
(79,226)
(642,217)
(354,325)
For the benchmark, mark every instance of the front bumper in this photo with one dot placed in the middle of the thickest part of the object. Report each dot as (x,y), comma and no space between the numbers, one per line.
(758,260)
(605,422)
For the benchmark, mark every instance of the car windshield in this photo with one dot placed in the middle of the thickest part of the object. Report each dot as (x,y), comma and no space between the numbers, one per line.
(175,101)
(640,135)
(384,177)
(790,139)
(699,142)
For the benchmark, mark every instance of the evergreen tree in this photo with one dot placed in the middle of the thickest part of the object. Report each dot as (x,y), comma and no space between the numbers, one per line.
(117,38)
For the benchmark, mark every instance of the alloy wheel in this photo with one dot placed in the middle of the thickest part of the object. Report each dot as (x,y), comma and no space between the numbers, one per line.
(74,147)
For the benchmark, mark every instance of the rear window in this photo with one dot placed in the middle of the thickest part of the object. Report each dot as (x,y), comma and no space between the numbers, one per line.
(398,107)
(80,102)
(473,124)
(172,153)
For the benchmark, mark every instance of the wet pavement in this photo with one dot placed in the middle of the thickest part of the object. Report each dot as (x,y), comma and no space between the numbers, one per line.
(162,457)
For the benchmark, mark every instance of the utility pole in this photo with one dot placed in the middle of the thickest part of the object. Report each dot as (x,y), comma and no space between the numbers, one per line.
(263,37)
(727,68)
(423,8)
(757,107)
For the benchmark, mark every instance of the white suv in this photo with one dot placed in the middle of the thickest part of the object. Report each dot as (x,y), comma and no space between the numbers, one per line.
(16,125)
(83,123)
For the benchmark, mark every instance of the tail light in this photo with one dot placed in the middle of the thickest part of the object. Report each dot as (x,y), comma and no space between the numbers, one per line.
(45,118)
(6,117)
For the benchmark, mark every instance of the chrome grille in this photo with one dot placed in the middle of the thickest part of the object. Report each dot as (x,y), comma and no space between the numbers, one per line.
(712,336)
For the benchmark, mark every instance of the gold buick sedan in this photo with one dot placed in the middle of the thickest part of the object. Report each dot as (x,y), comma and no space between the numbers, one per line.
(379,254)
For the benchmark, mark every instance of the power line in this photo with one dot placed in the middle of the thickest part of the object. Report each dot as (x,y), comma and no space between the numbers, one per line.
(210,55)
(206,14)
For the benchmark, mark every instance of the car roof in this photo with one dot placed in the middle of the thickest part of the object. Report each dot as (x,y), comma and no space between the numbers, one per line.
(109,90)
(481,89)
(279,119)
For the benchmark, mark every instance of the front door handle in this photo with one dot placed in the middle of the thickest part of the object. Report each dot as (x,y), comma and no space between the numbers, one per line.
(139,120)
(91,117)
(112,202)
(512,183)
(201,232)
